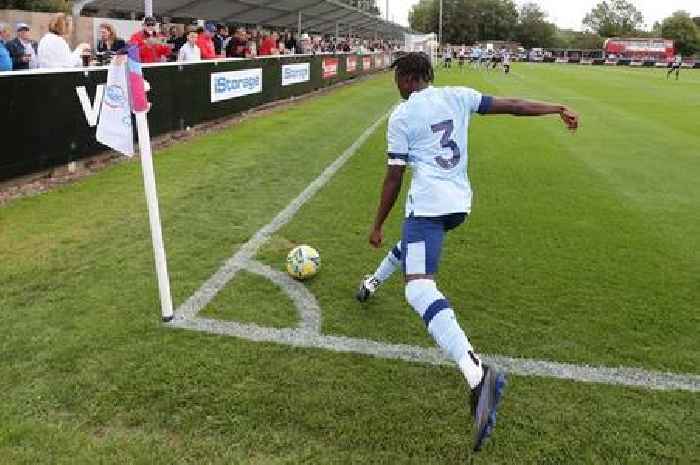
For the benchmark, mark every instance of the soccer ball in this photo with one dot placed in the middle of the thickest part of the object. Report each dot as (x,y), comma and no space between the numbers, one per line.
(303,262)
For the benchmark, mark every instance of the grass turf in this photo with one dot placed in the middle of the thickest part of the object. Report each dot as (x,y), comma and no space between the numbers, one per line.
(580,249)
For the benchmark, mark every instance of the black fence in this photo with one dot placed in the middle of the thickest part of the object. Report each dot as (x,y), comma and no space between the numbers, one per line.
(48,118)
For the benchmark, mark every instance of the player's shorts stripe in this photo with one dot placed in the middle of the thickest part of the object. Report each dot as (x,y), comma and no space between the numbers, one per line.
(434,308)
(485,105)
(415,258)
(398,156)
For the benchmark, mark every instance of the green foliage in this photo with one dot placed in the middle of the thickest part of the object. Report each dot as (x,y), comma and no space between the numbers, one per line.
(37,5)
(467,21)
(578,40)
(614,18)
(684,32)
(533,29)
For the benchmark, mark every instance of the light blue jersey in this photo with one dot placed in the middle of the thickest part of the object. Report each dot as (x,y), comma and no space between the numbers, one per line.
(428,132)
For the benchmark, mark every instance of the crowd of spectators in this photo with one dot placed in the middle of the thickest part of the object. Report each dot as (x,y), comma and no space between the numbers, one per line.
(196,42)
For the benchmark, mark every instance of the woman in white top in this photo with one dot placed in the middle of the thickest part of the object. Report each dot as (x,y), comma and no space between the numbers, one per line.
(189,51)
(53,51)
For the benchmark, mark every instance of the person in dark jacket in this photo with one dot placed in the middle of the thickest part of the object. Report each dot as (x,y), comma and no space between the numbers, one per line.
(109,42)
(22,49)
(221,40)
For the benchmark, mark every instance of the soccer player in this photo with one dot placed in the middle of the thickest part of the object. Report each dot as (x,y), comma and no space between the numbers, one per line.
(462,56)
(428,132)
(447,56)
(675,66)
(506,61)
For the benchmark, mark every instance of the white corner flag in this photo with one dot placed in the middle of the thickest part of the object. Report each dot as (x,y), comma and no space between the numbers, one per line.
(126,92)
(114,128)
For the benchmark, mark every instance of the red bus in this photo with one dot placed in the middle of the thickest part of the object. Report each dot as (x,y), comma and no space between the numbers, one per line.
(640,49)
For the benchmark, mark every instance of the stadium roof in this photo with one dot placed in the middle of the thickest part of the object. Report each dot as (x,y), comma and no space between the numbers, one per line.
(320,16)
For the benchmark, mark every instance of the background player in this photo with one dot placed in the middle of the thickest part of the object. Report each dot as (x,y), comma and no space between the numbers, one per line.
(429,133)
(675,66)
(505,60)
(447,56)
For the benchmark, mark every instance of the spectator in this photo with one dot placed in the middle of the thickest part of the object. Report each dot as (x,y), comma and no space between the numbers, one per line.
(151,50)
(237,46)
(109,42)
(205,43)
(53,50)
(5,60)
(22,49)
(190,51)
(220,39)
(180,41)
(290,43)
(173,37)
(307,46)
(268,46)
(251,50)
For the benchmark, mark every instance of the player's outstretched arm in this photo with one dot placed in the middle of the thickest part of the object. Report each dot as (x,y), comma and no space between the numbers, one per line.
(520,107)
(390,192)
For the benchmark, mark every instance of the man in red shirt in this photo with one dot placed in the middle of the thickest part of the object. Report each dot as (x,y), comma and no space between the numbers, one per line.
(269,45)
(205,42)
(151,50)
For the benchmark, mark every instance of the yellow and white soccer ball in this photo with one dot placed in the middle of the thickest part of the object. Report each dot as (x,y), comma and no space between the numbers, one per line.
(303,262)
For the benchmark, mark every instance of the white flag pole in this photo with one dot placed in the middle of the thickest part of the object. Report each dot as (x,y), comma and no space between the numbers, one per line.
(149,183)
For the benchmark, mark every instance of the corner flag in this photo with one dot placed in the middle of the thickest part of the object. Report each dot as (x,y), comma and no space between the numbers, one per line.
(126,93)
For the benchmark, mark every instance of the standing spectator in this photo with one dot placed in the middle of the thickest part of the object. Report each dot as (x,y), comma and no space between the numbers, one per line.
(236,47)
(267,45)
(220,39)
(205,43)
(151,50)
(109,42)
(5,60)
(22,49)
(53,50)
(172,36)
(182,40)
(190,51)
(290,43)
(307,47)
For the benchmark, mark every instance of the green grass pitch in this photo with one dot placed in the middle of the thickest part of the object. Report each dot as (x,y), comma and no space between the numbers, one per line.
(583,249)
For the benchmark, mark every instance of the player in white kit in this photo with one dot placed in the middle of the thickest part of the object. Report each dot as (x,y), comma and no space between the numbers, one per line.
(675,66)
(428,132)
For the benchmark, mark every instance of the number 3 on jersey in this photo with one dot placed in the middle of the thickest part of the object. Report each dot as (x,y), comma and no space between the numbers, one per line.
(447,127)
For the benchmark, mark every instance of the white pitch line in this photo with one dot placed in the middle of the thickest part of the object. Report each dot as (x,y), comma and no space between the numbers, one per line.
(308,335)
(223,276)
(623,376)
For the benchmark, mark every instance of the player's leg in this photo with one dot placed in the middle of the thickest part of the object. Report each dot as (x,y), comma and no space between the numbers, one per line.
(370,283)
(668,74)
(421,247)
(678,72)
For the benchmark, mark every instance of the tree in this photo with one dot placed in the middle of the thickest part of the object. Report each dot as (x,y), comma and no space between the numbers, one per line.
(466,21)
(36,5)
(614,18)
(533,29)
(682,29)
(424,16)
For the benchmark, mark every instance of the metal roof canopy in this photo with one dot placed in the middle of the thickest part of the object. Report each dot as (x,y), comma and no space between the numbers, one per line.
(320,16)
